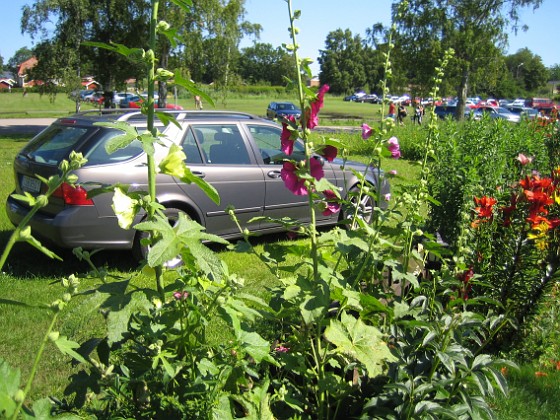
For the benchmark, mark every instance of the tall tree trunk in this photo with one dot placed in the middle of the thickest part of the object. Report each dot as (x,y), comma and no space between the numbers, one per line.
(462,94)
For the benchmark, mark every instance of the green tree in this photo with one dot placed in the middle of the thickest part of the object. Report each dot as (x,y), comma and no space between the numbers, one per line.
(21,55)
(527,70)
(342,62)
(119,21)
(262,63)
(474,29)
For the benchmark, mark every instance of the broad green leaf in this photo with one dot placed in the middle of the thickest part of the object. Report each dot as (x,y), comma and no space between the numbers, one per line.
(167,118)
(191,87)
(137,53)
(256,346)
(207,188)
(360,342)
(221,410)
(9,381)
(68,347)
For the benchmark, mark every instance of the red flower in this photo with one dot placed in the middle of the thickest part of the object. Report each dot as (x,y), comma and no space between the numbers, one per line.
(293,182)
(286,138)
(366,131)
(331,203)
(329,153)
(484,206)
(316,105)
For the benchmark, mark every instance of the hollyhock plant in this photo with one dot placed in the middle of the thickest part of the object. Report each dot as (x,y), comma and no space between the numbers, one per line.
(329,153)
(316,105)
(367,131)
(394,148)
(293,182)
(331,203)
(287,137)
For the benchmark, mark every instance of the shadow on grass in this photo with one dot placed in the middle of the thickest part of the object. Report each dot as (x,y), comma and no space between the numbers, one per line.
(26,261)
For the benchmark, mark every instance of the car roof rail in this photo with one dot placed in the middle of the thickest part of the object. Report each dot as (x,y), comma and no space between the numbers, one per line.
(126,114)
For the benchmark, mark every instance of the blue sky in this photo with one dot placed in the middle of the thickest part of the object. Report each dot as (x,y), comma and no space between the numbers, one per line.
(318,18)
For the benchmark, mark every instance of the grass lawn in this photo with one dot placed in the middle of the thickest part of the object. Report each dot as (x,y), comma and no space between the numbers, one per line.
(335,112)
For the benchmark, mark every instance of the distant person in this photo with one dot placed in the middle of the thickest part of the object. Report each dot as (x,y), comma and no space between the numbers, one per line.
(401,114)
(197,102)
(391,110)
(418,114)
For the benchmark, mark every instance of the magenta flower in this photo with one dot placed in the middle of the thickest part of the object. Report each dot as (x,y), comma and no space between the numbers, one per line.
(293,182)
(316,105)
(387,197)
(393,172)
(524,160)
(287,142)
(329,153)
(331,203)
(366,131)
(394,148)
(282,349)
(180,295)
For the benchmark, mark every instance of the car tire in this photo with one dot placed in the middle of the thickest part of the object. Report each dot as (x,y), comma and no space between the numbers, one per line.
(141,251)
(365,206)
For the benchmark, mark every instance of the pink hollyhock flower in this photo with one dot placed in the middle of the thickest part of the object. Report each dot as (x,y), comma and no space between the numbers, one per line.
(180,295)
(287,143)
(524,160)
(316,169)
(329,153)
(394,148)
(392,172)
(366,131)
(387,197)
(282,349)
(332,205)
(293,182)
(316,105)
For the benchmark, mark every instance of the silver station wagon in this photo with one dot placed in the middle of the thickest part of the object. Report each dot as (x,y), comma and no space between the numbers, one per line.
(238,154)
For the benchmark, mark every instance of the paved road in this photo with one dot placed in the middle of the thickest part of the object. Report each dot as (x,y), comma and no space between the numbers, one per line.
(24,126)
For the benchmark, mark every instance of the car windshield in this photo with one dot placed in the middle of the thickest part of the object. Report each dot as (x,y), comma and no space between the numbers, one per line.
(286,107)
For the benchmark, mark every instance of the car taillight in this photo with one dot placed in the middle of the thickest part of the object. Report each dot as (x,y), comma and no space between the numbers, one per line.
(73,195)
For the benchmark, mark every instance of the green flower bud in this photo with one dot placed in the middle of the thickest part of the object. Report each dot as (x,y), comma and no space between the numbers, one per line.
(53,335)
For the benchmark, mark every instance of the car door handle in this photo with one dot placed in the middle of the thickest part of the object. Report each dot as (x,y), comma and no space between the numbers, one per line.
(199,174)
(273,174)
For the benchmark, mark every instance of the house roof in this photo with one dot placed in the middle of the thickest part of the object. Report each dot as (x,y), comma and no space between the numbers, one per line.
(26,65)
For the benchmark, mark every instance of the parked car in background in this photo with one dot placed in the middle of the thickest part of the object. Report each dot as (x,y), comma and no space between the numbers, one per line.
(449,111)
(125,102)
(239,154)
(517,103)
(278,110)
(496,113)
(120,96)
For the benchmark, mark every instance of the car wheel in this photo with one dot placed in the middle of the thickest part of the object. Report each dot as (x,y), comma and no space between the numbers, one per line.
(365,205)
(140,251)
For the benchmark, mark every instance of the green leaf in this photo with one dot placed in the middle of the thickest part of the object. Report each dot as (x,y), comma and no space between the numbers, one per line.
(25,235)
(191,87)
(221,410)
(360,342)
(9,385)
(256,346)
(183,4)
(167,118)
(118,48)
(67,347)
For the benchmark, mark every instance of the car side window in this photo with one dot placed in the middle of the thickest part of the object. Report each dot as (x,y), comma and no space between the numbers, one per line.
(223,144)
(268,141)
(190,147)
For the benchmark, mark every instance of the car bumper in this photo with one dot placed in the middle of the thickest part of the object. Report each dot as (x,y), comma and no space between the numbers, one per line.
(75,226)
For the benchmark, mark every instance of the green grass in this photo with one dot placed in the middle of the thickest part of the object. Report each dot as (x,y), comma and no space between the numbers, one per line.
(335,112)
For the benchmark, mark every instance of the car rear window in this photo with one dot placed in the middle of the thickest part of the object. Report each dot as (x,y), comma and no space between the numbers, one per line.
(55,143)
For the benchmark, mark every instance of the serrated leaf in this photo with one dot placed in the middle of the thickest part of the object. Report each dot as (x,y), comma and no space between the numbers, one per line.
(256,346)
(360,342)
(68,347)
(9,379)
(167,118)
(221,410)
